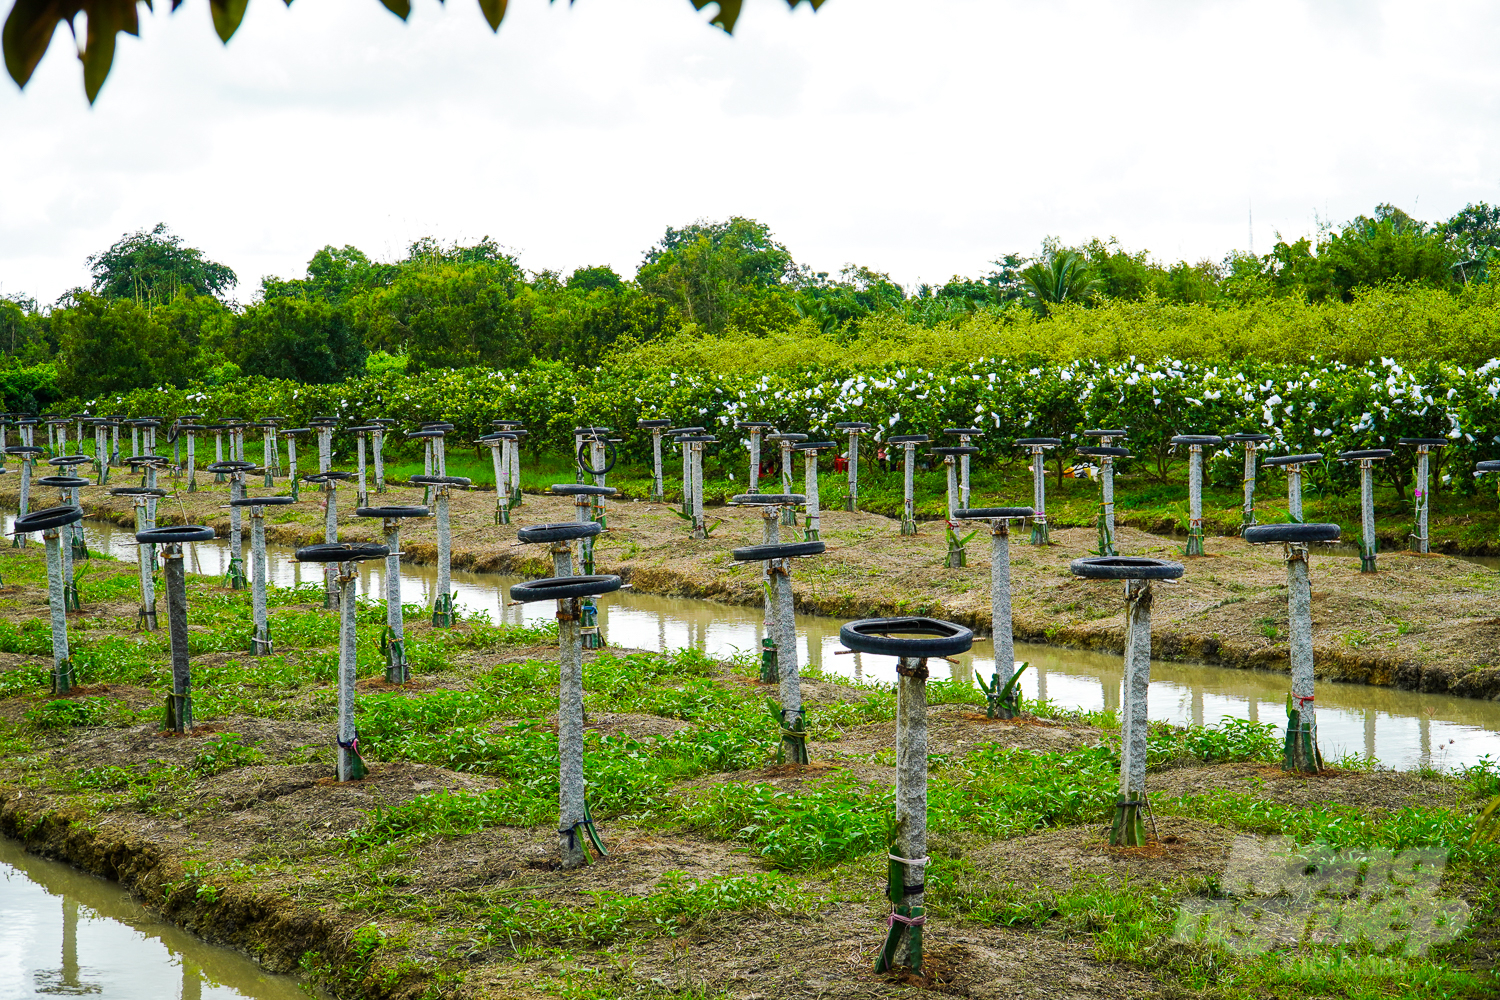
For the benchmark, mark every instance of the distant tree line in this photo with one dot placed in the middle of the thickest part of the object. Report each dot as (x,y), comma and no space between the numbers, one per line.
(158,312)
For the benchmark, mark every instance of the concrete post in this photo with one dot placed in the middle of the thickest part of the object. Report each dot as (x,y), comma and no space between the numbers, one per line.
(1195,443)
(908,443)
(181,698)
(1040,532)
(1369,544)
(854,429)
(1138,574)
(1421,491)
(1293,465)
(1107,452)
(1301,745)
(656,427)
(965,437)
(57,582)
(575,823)
(1001,695)
(810,451)
(907,861)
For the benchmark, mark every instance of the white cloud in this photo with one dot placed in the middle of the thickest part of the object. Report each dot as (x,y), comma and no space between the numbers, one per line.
(922,137)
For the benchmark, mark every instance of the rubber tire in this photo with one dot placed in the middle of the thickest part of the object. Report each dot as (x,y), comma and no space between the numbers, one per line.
(277,501)
(1279,460)
(1125,568)
(1196,439)
(611,456)
(331,476)
(988,513)
(1362,453)
(948,638)
(383,512)
(1098,451)
(1266,534)
(47,518)
(1044,442)
(174,535)
(440,481)
(560,588)
(137,491)
(782,550)
(62,482)
(560,531)
(326,552)
(958,449)
(769,499)
(582,489)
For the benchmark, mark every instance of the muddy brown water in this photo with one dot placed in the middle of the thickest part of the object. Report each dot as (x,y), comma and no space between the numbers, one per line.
(1400,729)
(66,933)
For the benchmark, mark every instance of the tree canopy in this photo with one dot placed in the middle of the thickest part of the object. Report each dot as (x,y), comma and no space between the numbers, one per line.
(154,265)
(31,24)
(157,314)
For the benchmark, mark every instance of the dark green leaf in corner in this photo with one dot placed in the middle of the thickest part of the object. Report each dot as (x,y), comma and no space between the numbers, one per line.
(494,12)
(401,8)
(227,16)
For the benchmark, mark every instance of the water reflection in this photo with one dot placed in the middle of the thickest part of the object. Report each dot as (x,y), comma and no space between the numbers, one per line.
(1399,728)
(65,933)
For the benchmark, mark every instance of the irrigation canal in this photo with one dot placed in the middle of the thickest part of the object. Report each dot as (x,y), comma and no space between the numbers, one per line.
(64,932)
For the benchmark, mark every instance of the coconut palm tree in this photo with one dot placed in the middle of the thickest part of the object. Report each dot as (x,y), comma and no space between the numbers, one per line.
(1062,277)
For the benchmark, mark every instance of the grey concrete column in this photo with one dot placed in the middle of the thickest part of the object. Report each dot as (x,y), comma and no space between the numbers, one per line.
(1137,684)
(378,445)
(1000,610)
(911,794)
(789,679)
(442,609)
(1299,621)
(658,486)
(770,535)
(700,527)
(260,642)
(361,495)
(908,507)
(1041,533)
(62,661)
(175,578)
(753,479)
(331,587)
(395,668)
(351,766)
(571,792)
(146,566)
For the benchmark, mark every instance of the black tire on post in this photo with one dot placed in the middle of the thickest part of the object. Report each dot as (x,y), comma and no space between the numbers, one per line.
(922,637)
(560,588)
(560,531)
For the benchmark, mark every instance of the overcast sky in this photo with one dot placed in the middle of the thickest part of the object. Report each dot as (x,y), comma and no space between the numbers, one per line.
(919,137)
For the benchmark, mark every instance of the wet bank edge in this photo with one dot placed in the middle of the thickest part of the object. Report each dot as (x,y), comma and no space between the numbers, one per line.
(271,928)
(1351,666)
